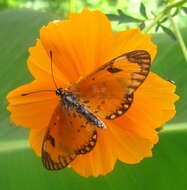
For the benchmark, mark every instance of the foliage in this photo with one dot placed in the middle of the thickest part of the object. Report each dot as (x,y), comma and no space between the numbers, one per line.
(125,10)
(21,169)
(121,17)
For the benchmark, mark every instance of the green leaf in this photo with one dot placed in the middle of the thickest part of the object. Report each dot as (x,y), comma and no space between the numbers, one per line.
(153,13)
(143,10)
(122,17)
(164,19)
(176,12)
(184,9)
(180,3)
(120,12)
(22,169)
(113,17)
(125,18)
(168,32)
(157,27)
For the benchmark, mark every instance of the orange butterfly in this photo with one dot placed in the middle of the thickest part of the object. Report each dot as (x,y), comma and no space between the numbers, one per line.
(106,93)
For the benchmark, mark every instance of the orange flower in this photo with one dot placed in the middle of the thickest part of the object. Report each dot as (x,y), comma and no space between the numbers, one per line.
(80,45)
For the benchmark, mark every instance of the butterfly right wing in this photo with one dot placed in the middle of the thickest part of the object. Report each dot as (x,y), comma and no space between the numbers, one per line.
(108,92)
(69,134)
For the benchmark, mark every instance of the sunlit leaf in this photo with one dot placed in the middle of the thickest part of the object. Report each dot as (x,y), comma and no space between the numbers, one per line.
(153,13)
(113,17)
(157,27)
(122,17)
(168,32)
(180,3)
(175,12)
(164,19)
(184,9)
(143,10)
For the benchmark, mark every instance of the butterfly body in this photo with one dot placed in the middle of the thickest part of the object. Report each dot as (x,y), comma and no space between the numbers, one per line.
(70,101)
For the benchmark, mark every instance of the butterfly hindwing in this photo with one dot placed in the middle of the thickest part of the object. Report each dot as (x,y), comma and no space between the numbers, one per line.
(69,134)
(108,92)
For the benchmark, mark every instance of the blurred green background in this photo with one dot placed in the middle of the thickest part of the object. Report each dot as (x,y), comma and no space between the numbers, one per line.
(20,22)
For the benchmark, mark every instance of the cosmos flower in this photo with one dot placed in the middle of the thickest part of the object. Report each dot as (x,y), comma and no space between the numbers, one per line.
(80,45)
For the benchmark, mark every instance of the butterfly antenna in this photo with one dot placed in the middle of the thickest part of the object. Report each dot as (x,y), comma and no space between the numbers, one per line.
(33,92)
(51,57)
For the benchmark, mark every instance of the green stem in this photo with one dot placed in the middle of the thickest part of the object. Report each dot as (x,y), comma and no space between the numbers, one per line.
(179,37)
(164,12)
(153,23)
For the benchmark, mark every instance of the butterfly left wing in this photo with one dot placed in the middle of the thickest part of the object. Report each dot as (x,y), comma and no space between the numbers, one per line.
(108,92)
(69,134)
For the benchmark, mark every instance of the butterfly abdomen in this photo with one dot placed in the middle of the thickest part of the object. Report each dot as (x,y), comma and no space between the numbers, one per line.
(69,101)
(90,116)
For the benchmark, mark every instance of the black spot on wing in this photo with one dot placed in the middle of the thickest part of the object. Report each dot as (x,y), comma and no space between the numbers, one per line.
(114,70)
(86,101)
(51,140)
(99,107)
(103,102)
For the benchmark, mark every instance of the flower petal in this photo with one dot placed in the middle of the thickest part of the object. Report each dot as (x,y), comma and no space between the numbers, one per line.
(153,105)
(129,147)
(36,137)
(131,137)
(39,64)
(34,110)
(126,41)
(163,94)
(99,161)
(76,42)
(114,143)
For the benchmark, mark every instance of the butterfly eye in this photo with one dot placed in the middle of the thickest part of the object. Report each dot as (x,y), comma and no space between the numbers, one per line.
(59,91)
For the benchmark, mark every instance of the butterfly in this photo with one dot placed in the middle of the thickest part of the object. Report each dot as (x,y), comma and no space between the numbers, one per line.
(107,93)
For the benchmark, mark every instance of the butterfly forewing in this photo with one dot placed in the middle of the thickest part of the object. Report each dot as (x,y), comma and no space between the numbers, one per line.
(108,92)
(69,134)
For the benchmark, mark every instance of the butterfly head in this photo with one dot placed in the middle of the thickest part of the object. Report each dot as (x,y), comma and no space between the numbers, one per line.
(60,91)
